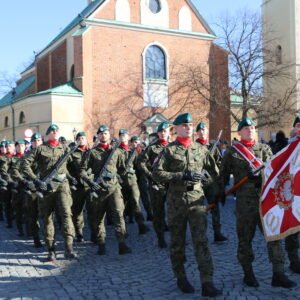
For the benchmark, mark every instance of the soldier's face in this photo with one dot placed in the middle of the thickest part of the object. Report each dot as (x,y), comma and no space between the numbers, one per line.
(297,129)
(36,143)
(81,141)
(3,150)
(10,148)
(202,133)
(164,134)
(135,144)
(104,137)
(247,133)
(20,148)
(184,130)
(53,135)
(124,138)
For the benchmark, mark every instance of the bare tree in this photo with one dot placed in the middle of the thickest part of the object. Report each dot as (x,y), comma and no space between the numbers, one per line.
(7,82)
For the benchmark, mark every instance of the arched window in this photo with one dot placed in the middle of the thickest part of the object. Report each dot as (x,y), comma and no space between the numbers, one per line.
(278,55)
(155,63)
(123,11)
(154,6)
(6,122)
(22,118)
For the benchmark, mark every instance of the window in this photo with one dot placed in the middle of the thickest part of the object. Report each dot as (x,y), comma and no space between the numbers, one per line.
(155,63)
(278,55)
(6,122)
(154,6)
(21,117)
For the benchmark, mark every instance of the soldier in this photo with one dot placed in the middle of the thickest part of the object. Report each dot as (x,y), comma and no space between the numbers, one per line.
(130,188)
(209,190)
(59,195)
(109,195)
(239,160)
(180,167)
(2,153)
(158,190)
(82,194)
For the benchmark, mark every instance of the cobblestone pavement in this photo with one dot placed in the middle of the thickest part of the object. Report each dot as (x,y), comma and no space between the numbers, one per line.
(144,274)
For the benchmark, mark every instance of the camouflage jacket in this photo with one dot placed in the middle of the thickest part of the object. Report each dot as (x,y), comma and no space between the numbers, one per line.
(95,160)
(16,169)
(6,164)
(176,160)
(234,163)
(128,169)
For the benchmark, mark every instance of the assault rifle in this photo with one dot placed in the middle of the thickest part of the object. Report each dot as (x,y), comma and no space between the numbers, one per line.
(131,158)
(54,173)
(214,147)
(99,180)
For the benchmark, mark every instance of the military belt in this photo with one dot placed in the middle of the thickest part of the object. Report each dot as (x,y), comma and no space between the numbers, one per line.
(186,188)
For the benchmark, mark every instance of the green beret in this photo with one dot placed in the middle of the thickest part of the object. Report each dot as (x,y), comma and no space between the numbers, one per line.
(201,125)
(135,138)
(9,142)
(162,126)
(79,134)
(245,122)
(3,144)
(20,142)
(183,118)
(36,136)
(62,139)
(102,128)
(123,131)
(52,127)
(297,120)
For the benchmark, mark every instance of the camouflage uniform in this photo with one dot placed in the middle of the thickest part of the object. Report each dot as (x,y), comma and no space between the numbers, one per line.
(247,206)
(185,204)
(45,157)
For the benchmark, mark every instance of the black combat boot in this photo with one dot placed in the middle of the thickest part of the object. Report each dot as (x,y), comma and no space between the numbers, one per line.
(79,238)
(37,242)
(280,279)
(209,290)
(69,252)
(161,242)
(101,249)
(295,267)
(51,254)
(219,237)
(123,248)
(184,285)
(249,278)
(143,229)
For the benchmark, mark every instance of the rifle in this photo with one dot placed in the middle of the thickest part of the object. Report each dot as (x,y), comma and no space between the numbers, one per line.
(100,177)
(53,174)
(130,159)
(214,147)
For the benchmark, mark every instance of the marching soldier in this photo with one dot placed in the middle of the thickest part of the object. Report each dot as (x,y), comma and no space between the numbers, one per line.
(158,190)
(240,160)
(180,167)
(2,153)
(109,195)
(130,188)
(209,190)
(58,195)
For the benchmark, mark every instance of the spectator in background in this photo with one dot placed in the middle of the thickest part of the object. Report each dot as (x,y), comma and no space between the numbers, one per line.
(280,142)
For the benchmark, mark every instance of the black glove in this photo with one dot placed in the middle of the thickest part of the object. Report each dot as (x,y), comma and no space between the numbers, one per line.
(41,185)
(192,176)
(251,174)
(29,185)
(72,180)
(94,186)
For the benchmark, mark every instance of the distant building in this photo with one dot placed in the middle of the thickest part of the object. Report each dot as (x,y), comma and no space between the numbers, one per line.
(119,62)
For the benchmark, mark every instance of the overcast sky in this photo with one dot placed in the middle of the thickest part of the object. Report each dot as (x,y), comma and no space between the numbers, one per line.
(29,25)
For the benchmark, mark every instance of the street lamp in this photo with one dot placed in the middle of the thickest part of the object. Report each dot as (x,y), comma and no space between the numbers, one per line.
(74,131)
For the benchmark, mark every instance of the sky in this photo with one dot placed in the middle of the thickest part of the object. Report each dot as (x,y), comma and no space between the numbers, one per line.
(29,25)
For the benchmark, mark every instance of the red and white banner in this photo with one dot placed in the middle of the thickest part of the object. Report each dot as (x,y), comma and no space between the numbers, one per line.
(280,198)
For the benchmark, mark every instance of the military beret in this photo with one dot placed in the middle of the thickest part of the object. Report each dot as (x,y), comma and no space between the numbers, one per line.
(27,142)
(3,144)
(135,138)
(20,142)
(52,127)
(123,131)
(201,125)
(62,139)
(36,136)
(102,128)
(297,120)
(245,122)
(162,126)
(79,134)
(9,142)
(183,118)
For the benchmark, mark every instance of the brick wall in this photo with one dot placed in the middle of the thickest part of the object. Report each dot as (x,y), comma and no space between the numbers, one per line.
(59,65)
(43,73)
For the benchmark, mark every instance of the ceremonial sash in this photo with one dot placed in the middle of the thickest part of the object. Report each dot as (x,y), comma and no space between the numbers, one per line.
(248,155)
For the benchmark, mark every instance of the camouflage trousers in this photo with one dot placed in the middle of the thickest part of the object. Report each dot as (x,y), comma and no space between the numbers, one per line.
(181,212)
(292,247)
(248,219)
(109,199)
(60,201)
(19,209)
(144,188)
(32,214)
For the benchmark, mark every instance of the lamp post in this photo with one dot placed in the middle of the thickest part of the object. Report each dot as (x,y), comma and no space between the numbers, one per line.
(74,131)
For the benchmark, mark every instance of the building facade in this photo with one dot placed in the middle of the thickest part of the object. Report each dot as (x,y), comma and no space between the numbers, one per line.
(122,62)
